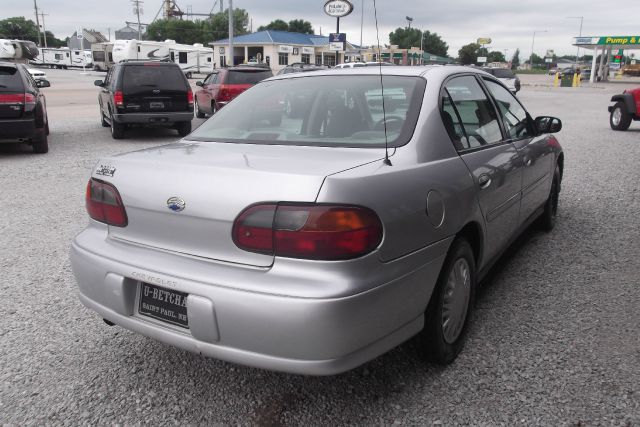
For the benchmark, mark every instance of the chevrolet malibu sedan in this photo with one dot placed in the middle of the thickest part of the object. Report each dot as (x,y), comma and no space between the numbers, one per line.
(316,242)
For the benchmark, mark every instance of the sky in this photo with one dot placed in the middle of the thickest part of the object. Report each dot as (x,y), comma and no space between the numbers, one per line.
(510,24)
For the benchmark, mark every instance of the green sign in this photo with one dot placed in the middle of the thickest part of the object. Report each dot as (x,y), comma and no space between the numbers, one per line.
(608,40)
(395,55)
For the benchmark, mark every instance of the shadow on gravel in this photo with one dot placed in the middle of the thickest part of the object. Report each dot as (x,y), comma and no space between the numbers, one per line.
(13,149)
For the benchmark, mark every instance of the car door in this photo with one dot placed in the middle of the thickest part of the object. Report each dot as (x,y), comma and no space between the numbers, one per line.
(536,153)
(103,98)
(204,96)
(211,89)
(472,122)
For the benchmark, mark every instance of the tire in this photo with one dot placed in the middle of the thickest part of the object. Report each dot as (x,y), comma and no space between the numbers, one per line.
(103,120)
(46,127)
(449,311)
(196,110)
(547,220)
(117,129)
(41,142)
(213,108)
(620,119)
(188,75)
(184,128)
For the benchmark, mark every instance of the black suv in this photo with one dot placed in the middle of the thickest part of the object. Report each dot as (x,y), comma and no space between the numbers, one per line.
(23,110)
(151,93)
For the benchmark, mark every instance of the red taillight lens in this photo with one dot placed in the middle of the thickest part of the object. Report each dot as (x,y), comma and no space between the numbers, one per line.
(29,99)
(224,94)
(104,203)
(118,98)
(321,232)
(190,98)
(12,98)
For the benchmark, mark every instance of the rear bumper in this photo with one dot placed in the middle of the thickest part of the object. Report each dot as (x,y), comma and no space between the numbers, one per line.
(12,129)
(154,118)
(312,336)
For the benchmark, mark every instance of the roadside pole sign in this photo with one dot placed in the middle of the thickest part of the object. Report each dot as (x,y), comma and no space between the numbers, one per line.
(338,8)
(337,41)
(482,59)
(548,60)
(483,41)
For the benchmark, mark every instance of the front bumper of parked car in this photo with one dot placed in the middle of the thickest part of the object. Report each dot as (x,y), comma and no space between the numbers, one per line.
(328,332)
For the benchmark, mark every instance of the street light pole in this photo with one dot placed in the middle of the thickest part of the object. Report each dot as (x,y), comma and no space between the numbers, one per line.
(532,43)
(581,18)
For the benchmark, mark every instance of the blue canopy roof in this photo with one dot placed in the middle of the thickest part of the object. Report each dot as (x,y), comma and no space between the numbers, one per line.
(278,37)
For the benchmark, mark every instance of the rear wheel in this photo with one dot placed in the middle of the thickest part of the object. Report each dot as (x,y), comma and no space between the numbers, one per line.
(103,120)
(117,129)
(214,108)
(620,119)
(184,128)
(188,75)
(41,143)
(548,218)
(448,313)
(196,109)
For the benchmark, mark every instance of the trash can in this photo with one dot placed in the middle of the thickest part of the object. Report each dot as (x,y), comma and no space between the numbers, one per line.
(567,80)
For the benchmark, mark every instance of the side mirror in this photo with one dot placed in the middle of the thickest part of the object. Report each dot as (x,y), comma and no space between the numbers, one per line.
(199,84)
(548,124)
(43,83)
(98,83)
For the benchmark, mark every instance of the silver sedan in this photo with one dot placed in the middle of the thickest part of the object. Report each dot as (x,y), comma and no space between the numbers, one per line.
(314,238)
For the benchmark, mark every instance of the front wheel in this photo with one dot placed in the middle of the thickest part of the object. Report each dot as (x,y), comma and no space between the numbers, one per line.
(620,119)
(196,110)
(448,313)
(548,218)
(184,128)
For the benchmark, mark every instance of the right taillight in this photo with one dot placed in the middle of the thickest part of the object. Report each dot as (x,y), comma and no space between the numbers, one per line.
(308,231)
(104,203)
(118,98)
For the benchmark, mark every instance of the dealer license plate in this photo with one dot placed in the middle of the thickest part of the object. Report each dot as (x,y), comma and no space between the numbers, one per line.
(156,105)
(163,304)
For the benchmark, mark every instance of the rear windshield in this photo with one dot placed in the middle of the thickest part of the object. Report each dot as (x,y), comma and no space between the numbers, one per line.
(247,77)
(137,77)
(503,73)
(10,80)
(329,110)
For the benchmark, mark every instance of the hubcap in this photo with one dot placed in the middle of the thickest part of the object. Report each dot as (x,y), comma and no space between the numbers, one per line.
(616,116)
(456,300)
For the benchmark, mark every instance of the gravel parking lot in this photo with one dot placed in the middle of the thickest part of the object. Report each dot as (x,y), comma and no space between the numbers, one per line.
(555,339)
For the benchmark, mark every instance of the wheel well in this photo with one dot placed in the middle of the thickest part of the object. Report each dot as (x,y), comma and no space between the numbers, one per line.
(473,234)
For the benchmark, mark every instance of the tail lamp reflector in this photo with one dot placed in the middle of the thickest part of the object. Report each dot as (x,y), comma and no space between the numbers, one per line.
(118,98)
(104,204)
(308,231)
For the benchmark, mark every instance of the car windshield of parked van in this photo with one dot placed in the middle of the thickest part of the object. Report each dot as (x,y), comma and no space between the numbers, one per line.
(10,80)
(323,110)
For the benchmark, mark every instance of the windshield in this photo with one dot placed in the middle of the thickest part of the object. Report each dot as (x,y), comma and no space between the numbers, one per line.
(137,77)
(320,111)
(247,77)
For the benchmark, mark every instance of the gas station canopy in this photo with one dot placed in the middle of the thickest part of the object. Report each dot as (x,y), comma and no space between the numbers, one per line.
(603,46)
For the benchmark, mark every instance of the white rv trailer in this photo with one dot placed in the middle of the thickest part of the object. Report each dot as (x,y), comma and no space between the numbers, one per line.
(191,58)
(102,54)
(64,58)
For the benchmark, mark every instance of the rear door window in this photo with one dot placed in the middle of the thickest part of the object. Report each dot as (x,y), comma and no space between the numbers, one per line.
(247,77)
(475,111)
(147,77)
(10,80)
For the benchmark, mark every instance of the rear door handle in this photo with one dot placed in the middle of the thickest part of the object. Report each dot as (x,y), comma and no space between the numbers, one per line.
(484,181)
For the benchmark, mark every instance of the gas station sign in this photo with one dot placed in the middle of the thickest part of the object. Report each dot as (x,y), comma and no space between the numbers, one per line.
(608,40)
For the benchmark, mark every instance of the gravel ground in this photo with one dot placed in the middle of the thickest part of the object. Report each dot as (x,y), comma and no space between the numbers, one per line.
(554,342)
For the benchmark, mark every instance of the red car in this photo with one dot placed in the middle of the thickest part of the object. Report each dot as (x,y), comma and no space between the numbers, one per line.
(221,86)
(625,109)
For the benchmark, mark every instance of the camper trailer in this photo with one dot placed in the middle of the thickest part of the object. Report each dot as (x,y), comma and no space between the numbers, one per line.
(18,50)
(102,55)
(64,58)
(192,59)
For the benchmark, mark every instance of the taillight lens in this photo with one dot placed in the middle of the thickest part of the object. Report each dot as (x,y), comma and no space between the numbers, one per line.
(29,99)
(12,98)
(118,98)
(104,203)
(223,93)
(190,98)
(320,232)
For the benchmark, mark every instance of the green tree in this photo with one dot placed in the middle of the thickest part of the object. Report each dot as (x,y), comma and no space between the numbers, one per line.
(433,43)
(536,60)
(300,26)
(277,25)
(190,32)
(469,53)
(515,59)
(405,37)
(496,56)
(20,28)
(220,24)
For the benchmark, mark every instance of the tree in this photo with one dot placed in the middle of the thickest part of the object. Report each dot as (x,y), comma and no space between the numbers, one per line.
(433,43)
(405,37)
(515,59)
(535,59)
(300,26)
(496,56)
(20,28)
(189,32)
(469,53)
(277,25)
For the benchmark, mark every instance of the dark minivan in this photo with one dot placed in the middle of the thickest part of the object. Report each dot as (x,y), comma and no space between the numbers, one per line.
(221,86)
(149,93)
(23,109)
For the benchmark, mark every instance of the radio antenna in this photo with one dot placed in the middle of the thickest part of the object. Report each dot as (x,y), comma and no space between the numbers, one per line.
(384,111)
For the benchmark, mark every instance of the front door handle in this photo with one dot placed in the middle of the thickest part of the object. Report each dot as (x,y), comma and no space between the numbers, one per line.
(484,181)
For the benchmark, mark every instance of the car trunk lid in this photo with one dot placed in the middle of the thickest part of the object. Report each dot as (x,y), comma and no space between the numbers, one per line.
(214,183)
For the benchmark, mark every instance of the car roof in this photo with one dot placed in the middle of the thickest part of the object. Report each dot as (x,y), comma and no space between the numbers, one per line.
(8,64)
(427,71)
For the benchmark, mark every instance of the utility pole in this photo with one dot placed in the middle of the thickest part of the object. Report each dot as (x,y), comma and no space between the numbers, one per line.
(532,42)
(230,62)
(137,9)
(35,5)
(44,29)
(581,18)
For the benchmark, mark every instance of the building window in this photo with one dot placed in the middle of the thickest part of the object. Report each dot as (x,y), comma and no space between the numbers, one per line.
(318,59)
(223,61)
(330,60)
(305,58)
(283,58)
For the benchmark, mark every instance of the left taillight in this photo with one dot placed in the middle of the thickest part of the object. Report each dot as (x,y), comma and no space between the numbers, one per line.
(118,98)
(190,98)
(104,203)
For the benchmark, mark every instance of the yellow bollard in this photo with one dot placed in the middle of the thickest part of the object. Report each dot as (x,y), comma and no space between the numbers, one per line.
(556,79)
(575,80)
